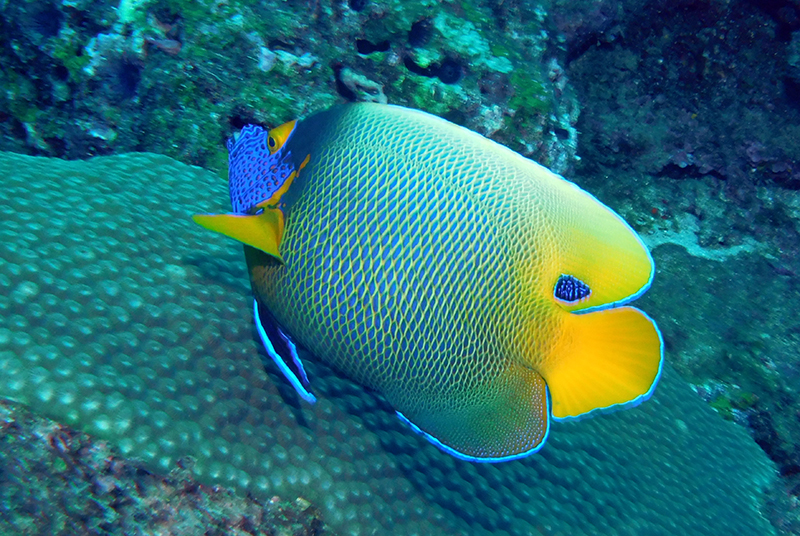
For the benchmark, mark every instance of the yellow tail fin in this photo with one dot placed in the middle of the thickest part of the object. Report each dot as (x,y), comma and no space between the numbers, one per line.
(603,359)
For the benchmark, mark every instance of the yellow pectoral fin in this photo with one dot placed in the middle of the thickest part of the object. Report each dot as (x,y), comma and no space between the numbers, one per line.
(604,360)
(262,231)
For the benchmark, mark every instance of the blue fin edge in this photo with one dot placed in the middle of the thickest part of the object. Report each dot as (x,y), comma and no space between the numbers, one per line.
(285,370)
(461,456)
(295,358)
(630,403)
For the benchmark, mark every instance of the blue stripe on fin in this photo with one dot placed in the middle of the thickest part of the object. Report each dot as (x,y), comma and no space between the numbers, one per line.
(286,366)
(295,358)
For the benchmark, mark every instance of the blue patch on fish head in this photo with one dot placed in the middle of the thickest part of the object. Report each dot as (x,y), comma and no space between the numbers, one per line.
(259,165)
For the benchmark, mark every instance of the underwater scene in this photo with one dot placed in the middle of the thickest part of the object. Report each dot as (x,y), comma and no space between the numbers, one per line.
(382,267)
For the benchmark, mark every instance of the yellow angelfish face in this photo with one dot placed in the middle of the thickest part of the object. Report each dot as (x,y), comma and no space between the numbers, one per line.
(592,352)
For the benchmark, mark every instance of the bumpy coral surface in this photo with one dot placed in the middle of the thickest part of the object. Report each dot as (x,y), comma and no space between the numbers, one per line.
(122,318)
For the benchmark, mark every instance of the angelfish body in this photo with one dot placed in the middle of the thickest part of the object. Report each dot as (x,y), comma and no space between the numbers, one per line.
(479,292)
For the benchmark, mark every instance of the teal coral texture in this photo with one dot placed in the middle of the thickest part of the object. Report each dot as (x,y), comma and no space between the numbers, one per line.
(120,316)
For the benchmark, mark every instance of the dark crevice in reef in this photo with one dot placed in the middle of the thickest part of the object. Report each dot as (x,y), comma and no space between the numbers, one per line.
(785,13)
(365,47)
(344,91)
(420,33)
(357,5)
(449,71)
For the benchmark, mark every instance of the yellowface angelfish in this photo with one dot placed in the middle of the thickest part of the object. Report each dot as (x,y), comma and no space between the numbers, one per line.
(479,292)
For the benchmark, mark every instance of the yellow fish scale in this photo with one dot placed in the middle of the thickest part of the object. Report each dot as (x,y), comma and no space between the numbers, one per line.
(420,260)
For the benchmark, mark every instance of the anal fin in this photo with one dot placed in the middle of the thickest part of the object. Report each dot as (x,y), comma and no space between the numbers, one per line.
(283,352)
(505,419)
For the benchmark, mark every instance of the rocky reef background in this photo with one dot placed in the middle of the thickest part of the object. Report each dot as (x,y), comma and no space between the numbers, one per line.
(684,116)
(57,480)
(690,123)
(86,78)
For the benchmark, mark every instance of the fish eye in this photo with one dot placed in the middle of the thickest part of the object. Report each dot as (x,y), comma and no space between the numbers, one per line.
(278,136)
(569,289)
